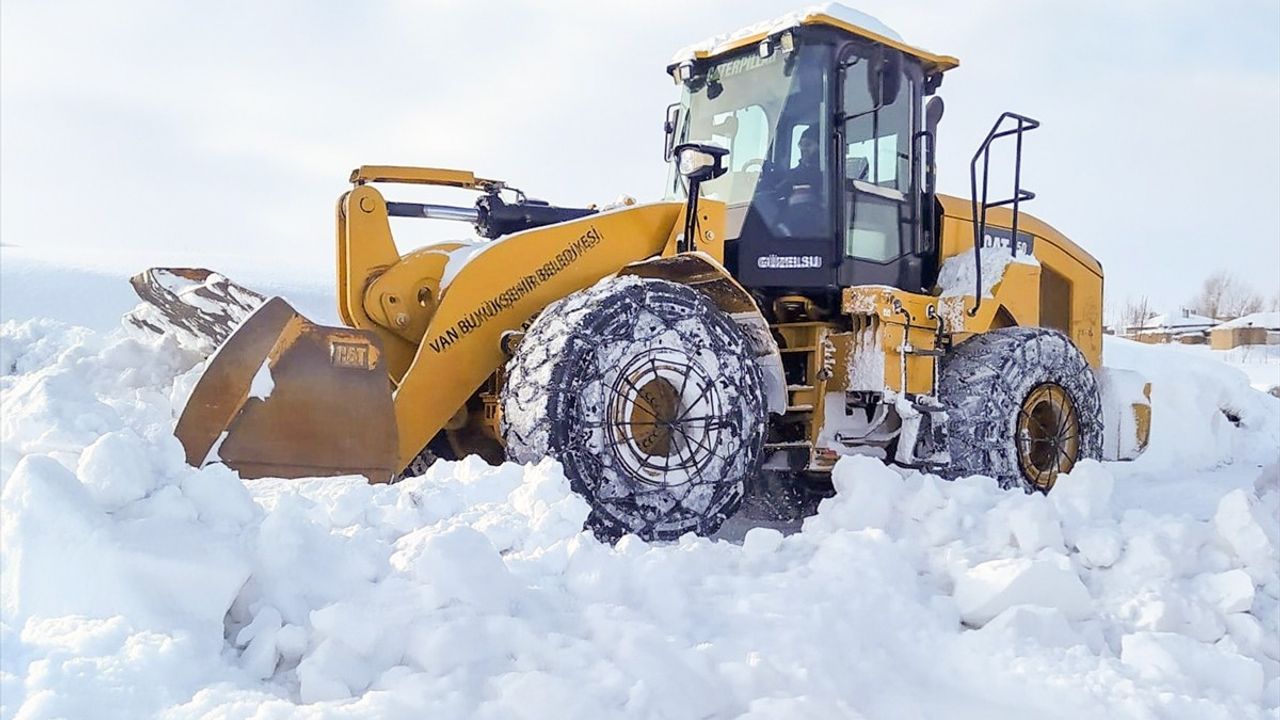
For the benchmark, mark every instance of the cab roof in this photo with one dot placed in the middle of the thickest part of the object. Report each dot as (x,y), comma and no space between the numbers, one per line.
(832,15)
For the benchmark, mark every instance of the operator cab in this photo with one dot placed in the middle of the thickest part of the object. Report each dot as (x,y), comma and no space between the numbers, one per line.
(828,176)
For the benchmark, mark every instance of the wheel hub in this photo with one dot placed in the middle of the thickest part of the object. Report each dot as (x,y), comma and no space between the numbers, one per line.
(656,409)
(1048,434)
(665,415)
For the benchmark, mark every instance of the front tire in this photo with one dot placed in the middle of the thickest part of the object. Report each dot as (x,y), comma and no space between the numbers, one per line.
(651,399)
(1022,405)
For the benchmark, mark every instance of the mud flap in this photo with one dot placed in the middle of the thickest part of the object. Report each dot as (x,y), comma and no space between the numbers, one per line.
(1126,413)
(284,397)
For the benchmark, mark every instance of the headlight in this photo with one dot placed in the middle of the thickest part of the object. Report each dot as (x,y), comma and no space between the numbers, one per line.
(692,160)
(700,162)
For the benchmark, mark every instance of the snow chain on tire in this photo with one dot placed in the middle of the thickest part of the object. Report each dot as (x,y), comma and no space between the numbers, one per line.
(986,383)
(651,399)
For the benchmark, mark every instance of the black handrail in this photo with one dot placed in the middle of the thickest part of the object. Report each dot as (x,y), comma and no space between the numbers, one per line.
(1024,124)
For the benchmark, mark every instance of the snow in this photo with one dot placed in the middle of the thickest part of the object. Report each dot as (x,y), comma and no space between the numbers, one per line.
(1121,392)
(1260,363)
(459,257)
(262,384)
(866,363)
(958,275)
(718,43)
(990,588)
(1269,320)
(1171,659)
(136,586)
(1181,319)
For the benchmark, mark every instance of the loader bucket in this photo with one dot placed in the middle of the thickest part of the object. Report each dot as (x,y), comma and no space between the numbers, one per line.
(284,397)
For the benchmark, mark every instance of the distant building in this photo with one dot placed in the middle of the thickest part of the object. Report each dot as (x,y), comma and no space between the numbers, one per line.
(1262,328)
(1182,326)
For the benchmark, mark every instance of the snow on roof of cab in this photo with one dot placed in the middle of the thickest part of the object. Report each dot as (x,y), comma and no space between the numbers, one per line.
(836,14)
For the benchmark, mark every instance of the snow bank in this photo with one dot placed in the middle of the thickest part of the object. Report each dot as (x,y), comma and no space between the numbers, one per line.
(1203,413)
(135,586)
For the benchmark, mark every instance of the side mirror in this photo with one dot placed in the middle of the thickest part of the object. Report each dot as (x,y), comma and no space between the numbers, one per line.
(933,114)
(700,163)
(884,76)
(669,128)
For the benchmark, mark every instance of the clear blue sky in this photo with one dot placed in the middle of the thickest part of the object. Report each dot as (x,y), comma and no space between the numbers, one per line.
(168,129)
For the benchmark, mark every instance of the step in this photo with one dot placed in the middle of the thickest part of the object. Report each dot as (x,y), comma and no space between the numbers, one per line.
(789,445)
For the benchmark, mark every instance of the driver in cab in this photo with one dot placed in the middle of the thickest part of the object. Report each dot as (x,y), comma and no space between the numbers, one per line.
(801,188)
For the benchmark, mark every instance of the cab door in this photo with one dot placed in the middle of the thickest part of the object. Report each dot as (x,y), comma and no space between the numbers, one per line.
(879,126)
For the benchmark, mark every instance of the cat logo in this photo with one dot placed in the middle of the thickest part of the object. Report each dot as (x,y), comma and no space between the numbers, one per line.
(347,354)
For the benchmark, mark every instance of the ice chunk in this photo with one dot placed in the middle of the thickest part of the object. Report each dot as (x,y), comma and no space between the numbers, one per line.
(761,541)
(1229,592)
(990,588)
(1099,547)
(259,641)
(460,565)
(1241,526)
(1044,626)
(1190,666)
(866,495)
(115,469)
(1035,524)
(1083,496)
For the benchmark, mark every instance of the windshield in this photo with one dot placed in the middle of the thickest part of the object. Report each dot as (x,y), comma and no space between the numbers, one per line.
(770,113)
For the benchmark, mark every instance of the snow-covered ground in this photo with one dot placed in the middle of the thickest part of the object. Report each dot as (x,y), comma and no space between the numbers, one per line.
(136,586)
(1260,362)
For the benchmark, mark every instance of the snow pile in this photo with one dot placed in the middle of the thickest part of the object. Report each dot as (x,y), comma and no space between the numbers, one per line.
(958,275)
(136,586)
(1261,363)
(1203,413)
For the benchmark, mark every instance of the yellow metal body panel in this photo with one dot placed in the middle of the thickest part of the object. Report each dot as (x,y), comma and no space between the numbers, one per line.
(421,176)
(402,299)
(366,249)
(905,322)
(709,229)
(933,62)
(501,289)
(1072,304)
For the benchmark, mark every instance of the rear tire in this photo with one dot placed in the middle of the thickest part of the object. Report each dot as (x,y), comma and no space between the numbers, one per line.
(651,399)
(1023,407)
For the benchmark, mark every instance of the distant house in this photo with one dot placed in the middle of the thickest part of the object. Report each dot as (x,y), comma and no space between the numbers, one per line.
(1182,326)
(1261,328)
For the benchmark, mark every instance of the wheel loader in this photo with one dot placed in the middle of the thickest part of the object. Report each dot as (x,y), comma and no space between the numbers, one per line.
(802,293)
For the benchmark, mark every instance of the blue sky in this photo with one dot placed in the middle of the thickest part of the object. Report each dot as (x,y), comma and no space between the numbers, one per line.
(180,131)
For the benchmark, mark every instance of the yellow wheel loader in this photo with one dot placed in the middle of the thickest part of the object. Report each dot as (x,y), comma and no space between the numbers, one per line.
(803,293)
